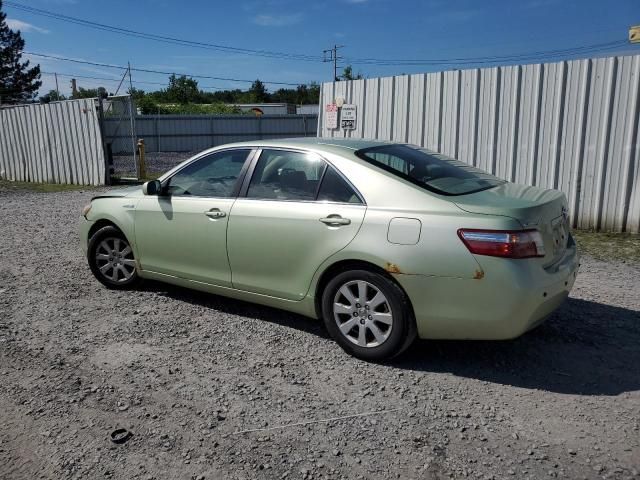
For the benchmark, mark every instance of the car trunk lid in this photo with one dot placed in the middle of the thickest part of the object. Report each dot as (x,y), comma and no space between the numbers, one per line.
(532,207)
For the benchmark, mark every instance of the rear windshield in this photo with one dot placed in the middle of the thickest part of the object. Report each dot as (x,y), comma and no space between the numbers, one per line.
(430,170)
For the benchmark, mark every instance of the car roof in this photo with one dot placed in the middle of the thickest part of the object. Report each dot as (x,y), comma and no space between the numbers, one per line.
(315,143)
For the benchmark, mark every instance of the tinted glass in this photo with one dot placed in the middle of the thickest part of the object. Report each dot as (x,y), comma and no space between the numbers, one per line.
(282,175)
(212,176)
(430,170)
(334,188)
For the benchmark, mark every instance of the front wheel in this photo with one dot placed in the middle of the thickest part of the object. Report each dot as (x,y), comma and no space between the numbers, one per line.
(111,258)
(368,315)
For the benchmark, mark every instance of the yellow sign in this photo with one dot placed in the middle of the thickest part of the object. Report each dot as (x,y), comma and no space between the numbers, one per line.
(634,34)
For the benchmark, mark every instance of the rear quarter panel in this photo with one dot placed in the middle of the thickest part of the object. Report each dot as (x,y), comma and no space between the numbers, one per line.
(438,252)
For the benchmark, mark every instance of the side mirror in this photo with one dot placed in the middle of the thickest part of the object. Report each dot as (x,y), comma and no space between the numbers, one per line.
(151,187)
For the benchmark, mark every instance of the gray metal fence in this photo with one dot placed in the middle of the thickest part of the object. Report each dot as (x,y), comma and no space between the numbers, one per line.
(570,125)
(186,133)
(55,143)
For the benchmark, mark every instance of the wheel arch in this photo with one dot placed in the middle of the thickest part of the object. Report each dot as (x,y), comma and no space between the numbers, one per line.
(103,222)
(351,264)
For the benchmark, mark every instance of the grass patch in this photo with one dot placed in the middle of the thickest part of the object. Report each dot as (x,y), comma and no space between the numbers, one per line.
(609,246)
(42,187)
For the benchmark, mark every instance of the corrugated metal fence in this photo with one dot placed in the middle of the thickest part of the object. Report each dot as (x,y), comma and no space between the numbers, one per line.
(186,133)
(570,125)
(55,143)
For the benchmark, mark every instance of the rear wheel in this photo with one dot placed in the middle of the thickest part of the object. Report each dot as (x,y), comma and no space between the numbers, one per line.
(368,315)
(111,258)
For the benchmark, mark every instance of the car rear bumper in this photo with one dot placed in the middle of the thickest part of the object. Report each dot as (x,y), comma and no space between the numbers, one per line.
(512,297)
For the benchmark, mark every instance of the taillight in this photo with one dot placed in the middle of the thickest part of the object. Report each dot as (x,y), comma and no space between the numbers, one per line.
(503,243)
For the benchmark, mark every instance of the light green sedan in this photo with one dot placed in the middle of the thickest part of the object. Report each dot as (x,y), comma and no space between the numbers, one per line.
(383,241)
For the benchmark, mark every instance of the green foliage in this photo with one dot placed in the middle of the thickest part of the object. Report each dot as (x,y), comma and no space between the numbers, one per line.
(347,74)
(258,92)
(198,109)
(183,96)
(182,90)
(302,95)
(18,82)
(89,93)
(146,104)
(52,96)
(42,187)
(608,246)
(136,93)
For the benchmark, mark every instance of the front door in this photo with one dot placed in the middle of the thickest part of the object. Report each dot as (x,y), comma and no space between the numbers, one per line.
(182,232)
(297,212)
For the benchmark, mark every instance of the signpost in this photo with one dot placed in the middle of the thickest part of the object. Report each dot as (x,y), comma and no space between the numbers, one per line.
(331,117)
(348,117)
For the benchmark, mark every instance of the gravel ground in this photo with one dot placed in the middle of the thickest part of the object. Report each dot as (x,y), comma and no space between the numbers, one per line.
(185,372)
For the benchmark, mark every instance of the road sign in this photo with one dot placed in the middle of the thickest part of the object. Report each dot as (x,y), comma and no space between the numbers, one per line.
(331,117)
(348,116)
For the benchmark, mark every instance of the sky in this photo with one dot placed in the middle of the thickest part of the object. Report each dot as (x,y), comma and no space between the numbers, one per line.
(379,29)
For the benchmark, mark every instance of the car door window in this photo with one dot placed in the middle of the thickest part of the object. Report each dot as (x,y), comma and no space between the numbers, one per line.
(214,175)
(286,175)
(334,188)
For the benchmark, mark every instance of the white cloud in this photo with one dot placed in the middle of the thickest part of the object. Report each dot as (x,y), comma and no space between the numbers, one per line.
(15,24)
(277,20)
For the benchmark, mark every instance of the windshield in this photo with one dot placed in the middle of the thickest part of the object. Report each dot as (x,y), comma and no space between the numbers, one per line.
(433,171)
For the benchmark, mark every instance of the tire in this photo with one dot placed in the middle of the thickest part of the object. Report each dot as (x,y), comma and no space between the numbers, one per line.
(111,259)
(369,330)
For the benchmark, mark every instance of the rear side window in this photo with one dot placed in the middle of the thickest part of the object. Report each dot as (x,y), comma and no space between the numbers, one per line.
(288,175)
(334,188)
(430,170)
(285,175)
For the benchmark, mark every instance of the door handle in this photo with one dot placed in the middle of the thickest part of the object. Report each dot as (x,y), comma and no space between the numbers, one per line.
(335,220)
(215,213)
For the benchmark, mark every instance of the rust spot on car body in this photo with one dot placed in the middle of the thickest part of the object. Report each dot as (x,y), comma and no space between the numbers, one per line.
(479,275)
(392,268)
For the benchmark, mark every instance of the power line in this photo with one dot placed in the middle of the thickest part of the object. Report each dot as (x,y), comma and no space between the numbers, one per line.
(140,82)
(532,56)
(161,38)
(160,72)
(529,56)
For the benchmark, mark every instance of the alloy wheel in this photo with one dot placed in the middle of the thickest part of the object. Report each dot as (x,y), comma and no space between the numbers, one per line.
(363,313)
(114,259)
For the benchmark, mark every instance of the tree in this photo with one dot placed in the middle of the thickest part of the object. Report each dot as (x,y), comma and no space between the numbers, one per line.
(182,90)
(18,82)
(347,74)
(258,92)
(52,96)
(136,93)
(90,93)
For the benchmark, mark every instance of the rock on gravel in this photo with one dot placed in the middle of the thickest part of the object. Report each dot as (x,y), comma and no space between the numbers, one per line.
(184,372)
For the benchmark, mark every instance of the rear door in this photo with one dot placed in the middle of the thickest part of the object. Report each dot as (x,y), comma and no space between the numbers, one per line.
(294,212)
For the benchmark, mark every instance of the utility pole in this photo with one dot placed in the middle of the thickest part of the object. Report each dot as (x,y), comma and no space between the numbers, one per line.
(74,88)
(331,55)
(57,89)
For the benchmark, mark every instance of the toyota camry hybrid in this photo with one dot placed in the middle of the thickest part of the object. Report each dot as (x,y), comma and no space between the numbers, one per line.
(383,241)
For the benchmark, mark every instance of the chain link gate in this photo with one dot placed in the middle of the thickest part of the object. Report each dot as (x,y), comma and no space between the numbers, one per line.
(117,116)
